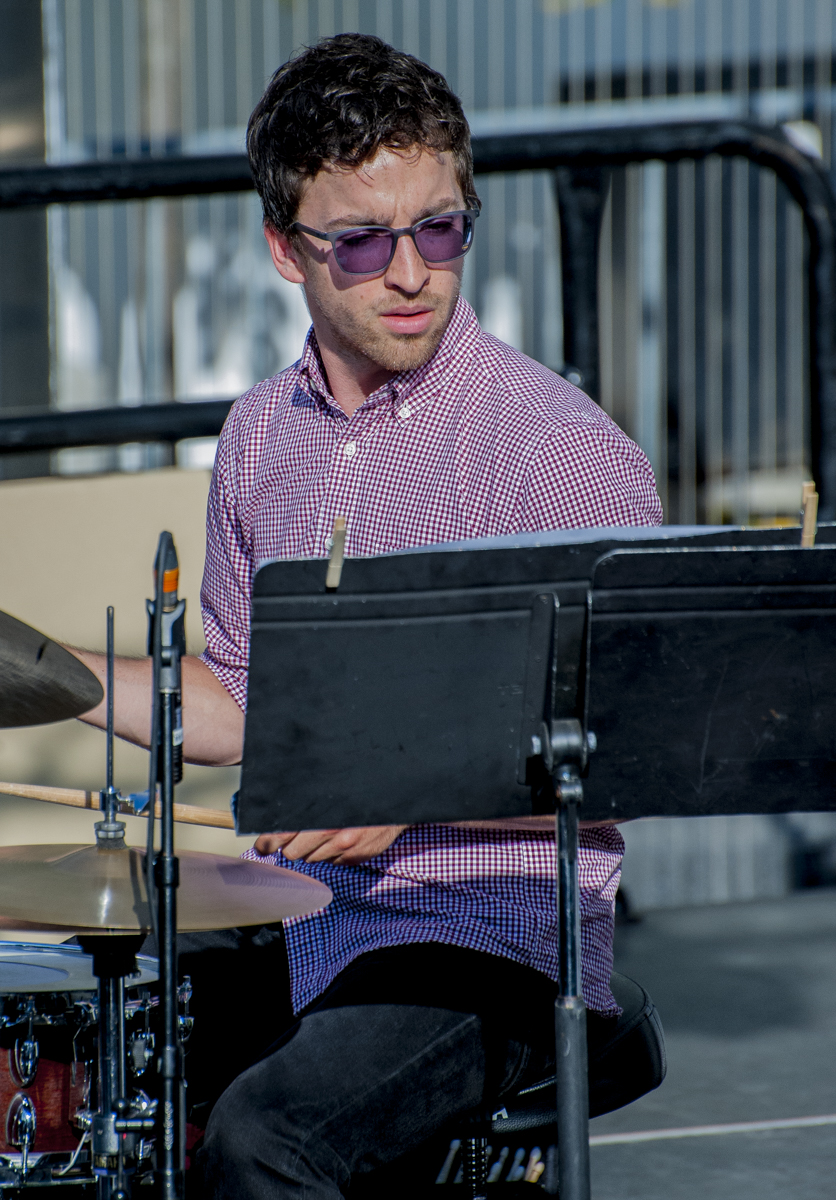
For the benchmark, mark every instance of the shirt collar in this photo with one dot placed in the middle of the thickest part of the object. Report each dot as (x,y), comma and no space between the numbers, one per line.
(456,347)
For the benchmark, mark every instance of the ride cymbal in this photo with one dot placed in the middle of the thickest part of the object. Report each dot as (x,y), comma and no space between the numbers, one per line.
(92,887)
(40,681)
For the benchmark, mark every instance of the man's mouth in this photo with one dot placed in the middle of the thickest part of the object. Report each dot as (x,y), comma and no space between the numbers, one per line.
(408,320)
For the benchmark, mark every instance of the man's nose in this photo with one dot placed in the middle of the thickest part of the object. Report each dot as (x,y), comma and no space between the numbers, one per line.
(407,271)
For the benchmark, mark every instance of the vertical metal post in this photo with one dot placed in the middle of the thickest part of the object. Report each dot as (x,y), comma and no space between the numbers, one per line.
(170,1166)
(570,1011)
(581,195)
(168,644)
(114,957)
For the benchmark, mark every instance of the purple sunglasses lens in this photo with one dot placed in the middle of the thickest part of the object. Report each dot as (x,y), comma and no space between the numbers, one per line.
(443,239)
(440,239)
(364,253)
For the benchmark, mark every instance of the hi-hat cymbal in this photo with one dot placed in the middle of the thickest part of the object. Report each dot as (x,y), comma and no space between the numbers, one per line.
(40,681)
(89,887)
(26,968)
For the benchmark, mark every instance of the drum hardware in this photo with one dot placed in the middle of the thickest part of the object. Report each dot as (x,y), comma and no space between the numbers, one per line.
(140,1045)
(21,1124)
(114,1125)
(114,894)
(185,1022)
(26,1052)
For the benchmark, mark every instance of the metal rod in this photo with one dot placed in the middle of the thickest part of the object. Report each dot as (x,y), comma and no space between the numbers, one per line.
(108,1084)
(168,644)
(109,679)
(570,1011)
(167,896)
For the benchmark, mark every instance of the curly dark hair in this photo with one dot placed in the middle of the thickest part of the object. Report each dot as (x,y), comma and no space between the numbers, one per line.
(340,101)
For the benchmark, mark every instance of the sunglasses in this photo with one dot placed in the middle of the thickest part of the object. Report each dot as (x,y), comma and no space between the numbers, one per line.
(369,249)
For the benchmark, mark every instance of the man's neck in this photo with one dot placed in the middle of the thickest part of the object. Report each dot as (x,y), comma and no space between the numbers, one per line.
(351,378)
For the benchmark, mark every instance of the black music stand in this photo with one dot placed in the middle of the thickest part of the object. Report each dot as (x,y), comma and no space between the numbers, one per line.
(466,682)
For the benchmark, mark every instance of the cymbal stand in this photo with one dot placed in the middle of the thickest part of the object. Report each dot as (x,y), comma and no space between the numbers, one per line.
(167,644)
(113,1126)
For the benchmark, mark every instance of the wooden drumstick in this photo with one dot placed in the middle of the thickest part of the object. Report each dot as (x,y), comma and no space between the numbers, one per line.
(188,814)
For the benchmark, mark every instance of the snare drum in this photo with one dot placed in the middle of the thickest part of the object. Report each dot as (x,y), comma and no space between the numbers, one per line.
(48,1026)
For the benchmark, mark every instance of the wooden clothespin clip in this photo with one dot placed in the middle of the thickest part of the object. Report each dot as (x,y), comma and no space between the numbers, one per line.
(809,513)
(337,555)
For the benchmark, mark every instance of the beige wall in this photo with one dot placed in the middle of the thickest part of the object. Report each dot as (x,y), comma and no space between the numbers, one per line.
(68,549)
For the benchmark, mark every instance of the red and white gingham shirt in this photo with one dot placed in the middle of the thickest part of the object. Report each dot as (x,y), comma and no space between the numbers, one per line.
(479,441)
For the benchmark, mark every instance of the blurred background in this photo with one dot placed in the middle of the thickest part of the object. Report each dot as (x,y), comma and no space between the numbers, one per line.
(702,305)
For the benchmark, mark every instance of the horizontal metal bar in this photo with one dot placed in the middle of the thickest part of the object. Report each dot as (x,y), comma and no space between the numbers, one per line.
(512,150)
(113,426)
(124,179)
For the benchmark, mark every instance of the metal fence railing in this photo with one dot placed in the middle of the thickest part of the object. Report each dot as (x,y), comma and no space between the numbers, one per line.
(580,158)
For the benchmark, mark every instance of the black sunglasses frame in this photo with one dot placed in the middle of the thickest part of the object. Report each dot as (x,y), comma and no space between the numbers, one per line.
(409,231)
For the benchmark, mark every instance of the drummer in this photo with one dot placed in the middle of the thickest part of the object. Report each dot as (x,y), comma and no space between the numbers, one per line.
(429,981)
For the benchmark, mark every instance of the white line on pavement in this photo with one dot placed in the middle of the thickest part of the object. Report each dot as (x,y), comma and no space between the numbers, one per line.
(655,1135)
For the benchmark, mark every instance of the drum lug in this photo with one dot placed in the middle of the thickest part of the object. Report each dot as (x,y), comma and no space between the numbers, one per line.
(26,1056)
(185,1022)
(21,1125)
(140,1052)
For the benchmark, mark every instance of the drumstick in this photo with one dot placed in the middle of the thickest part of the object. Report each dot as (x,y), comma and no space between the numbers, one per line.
(188,814)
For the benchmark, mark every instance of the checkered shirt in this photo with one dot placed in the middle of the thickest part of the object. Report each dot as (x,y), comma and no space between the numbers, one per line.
(480,441)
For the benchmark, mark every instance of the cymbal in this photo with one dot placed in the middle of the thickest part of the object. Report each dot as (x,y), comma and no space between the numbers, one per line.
(14,929)
(26,968)
(92,887)
(40,681)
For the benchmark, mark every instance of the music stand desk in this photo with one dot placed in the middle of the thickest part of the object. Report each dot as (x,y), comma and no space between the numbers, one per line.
(465,682)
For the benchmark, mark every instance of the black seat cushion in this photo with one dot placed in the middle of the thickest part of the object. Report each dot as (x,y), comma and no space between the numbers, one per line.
(626,1060)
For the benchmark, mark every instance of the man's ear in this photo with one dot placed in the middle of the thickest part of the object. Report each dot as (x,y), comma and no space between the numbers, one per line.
(286,259)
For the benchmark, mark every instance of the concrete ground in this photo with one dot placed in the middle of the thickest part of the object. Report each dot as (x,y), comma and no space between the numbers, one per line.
(747,996)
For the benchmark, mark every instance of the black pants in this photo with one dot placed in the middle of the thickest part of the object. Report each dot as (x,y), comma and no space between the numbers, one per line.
(403,1041)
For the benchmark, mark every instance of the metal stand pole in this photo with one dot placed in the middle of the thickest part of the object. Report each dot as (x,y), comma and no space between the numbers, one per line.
(170,1164)
(567,748)
(570,1011)
(167,637)
(113,1130)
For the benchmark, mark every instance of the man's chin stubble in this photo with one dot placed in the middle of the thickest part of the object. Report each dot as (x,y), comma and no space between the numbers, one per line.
(404,352)
(390,351)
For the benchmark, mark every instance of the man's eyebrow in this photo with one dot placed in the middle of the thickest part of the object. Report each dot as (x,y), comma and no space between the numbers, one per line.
(352,220)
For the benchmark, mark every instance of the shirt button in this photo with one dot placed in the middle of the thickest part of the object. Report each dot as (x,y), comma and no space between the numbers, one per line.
(405,412)
(350,449)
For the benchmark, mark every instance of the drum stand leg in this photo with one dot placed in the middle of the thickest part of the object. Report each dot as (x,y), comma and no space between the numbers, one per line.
(113,1131)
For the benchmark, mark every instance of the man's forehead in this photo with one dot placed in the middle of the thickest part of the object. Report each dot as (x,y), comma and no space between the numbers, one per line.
(391,177)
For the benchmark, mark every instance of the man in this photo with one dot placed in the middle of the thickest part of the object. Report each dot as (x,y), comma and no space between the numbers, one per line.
(427,985)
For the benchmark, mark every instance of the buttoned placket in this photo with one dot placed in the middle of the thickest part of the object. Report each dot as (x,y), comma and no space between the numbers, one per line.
(346,458)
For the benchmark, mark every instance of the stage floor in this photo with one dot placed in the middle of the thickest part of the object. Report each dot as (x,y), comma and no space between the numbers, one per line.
(746,996)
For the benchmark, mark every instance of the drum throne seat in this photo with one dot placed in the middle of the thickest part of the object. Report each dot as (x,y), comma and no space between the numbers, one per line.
(626,1060)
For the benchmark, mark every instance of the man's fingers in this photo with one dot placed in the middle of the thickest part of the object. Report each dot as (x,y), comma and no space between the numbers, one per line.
(306,843)
(350,847)
(269,843)
(346,846)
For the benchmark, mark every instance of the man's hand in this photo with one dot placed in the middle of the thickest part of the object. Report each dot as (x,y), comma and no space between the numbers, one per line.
(348,847)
